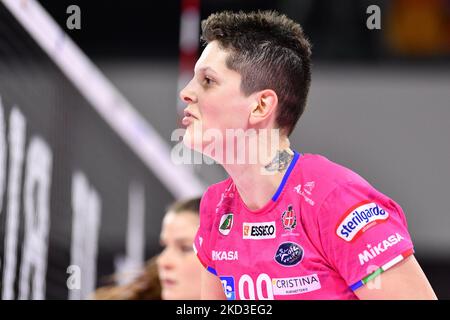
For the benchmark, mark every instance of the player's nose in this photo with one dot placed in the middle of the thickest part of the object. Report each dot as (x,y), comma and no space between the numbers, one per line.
(165,259)
(187,95)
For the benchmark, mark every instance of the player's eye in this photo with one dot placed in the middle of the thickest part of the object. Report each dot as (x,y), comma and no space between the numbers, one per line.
(208,81)
(186,248)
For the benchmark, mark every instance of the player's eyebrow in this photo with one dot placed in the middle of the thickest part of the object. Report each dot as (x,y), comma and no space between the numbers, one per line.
(182,241)
(179,241)
(204,69)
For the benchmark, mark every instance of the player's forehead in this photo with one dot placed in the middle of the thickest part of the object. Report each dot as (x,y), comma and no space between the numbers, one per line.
(179,225)
(212,59)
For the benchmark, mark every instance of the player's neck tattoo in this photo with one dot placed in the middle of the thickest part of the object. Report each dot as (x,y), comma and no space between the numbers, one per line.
(280,162)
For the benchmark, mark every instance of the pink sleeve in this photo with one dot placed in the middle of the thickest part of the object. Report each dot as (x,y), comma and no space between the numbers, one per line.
(363,232)
(203,237)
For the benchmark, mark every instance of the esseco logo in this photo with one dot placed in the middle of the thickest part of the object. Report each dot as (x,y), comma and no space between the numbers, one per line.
(259,230)
(226,222)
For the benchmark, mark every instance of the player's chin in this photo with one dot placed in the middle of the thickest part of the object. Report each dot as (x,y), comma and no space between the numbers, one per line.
(190,142)
(167,294)
(180,294)
(171,294)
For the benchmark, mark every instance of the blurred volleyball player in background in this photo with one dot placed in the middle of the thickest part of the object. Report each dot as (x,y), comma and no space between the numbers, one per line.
(290,225)
(175,273)
(178,268)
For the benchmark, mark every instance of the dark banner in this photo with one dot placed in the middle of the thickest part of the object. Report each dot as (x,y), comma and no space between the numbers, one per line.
(76,203)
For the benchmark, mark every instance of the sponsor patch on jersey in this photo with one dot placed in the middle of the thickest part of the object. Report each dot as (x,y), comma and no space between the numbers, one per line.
(306,191)
(228,287)
(259,230)
(226,223)
(295,285)
(373,251)
(289,218)
(289,254)
(359,219)
(224,255)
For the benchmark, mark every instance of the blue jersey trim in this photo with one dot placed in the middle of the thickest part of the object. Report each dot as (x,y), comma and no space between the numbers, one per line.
(212,270)
(286,176)
(356,285)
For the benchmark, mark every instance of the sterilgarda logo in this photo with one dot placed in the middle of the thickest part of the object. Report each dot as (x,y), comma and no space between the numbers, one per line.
(289,219)
(358,219)
(289,254)
(228,287)
(226,222)
(259,230)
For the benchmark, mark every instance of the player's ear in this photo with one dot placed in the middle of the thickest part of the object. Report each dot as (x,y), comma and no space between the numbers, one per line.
(264,106)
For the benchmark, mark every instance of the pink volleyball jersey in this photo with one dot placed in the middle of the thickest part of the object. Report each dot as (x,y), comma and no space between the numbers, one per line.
(325,233)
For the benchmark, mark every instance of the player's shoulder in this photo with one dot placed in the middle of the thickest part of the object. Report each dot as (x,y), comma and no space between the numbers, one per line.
(216,190)
(316,167)
(215,195)
(321,180)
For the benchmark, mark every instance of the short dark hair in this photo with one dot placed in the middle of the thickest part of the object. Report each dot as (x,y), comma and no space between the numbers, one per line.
(270,51)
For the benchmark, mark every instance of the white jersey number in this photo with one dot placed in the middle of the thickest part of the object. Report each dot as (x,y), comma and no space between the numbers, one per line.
(247,281)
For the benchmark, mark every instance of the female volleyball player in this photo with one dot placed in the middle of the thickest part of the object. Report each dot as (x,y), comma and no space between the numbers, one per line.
(178,268)
(292,225)
(175,273)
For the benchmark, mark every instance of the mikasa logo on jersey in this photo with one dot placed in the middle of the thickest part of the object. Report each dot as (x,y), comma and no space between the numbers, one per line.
(373,252)
(224,255)
(259,230)
(360,218)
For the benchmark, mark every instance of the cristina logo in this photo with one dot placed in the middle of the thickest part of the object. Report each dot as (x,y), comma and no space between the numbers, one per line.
(359,218)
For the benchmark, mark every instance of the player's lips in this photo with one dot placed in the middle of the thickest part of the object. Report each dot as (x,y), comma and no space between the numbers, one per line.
(188,117)
(168,282)
(187,121)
